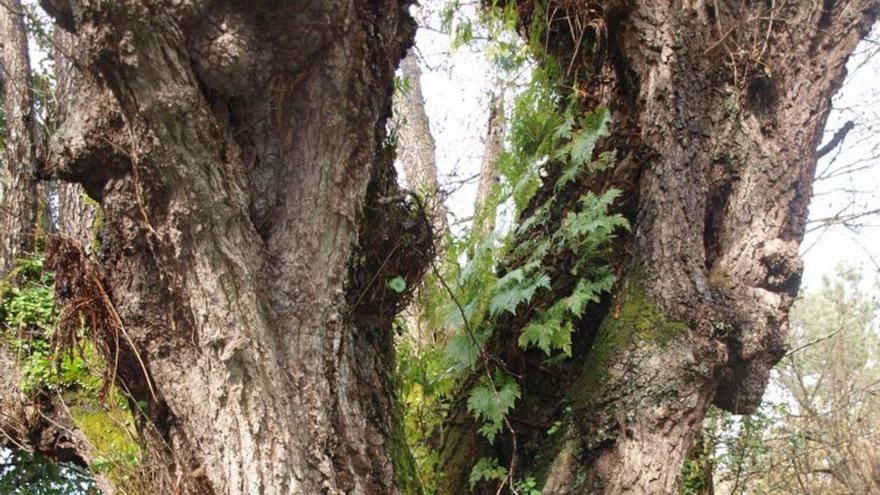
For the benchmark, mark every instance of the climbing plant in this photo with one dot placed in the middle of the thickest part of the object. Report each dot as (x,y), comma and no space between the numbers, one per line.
(493,277)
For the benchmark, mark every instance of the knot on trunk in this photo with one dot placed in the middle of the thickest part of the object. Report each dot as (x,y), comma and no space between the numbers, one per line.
(758,304)
(783,266)
(90,147)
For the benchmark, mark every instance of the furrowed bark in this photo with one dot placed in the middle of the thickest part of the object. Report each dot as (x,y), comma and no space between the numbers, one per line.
(716,153)
(243,249)
(76,216)
(485,204)
(18,189)
(415,144)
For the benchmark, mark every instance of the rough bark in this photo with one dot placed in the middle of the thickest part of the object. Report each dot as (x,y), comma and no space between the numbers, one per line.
(718,108)
(231,146)
(18,190)
(76,216)
(415,144)
(484,205)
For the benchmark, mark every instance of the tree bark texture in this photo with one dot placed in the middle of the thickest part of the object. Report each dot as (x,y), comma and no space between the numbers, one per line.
(18,189)
(717,108)
(484,205)
(251,220)
(76,216)
(415,144)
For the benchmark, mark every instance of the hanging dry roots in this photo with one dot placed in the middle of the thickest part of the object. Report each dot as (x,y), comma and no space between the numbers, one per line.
(86,311)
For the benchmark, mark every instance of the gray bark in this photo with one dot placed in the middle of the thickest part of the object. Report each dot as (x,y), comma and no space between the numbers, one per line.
(415,144)
(231,147)
(18,190)
(76,216)
(715,163)
(485,204)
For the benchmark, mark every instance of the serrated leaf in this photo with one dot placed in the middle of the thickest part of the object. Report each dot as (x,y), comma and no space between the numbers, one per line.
(594,126)
(569,174)
(486,469)
(490,403)
(548,335)
(511,292)
(462,350)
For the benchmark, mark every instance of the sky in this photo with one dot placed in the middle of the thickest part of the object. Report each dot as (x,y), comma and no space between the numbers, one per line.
(457,85)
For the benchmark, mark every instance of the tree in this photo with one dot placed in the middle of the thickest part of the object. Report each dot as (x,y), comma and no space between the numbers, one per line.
(818,430)
(18,191)
(717,108)
(252,226)
(484,209)
(415,143)
(251,220)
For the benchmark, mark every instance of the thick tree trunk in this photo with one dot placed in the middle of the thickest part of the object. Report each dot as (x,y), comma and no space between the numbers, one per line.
(231,146)
(718,108)
(18,190)
(76,216)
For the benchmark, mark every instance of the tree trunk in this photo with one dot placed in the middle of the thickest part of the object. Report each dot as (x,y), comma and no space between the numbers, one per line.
(717,108)
(415,144)
(18,190)
(251,222)
(76,216)
(486,205)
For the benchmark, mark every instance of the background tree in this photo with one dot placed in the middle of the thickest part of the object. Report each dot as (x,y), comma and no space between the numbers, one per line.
(817,430)
(18,190)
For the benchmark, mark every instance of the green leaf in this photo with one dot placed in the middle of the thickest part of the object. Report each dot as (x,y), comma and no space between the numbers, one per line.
(593,126)
(397,284)
(490,403)
(486,469)
(514,289)
(462,350)
(547,335)
(587,292)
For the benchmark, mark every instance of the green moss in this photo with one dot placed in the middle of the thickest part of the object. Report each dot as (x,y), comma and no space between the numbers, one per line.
(634,323)
(110,431)
(634,320)
(97,223)
(101,429)
(405,475)
(721,279)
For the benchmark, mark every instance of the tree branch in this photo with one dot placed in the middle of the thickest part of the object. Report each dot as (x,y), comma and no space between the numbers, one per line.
(838,138)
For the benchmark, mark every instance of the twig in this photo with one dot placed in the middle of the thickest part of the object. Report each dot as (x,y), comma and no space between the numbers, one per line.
(838,138)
